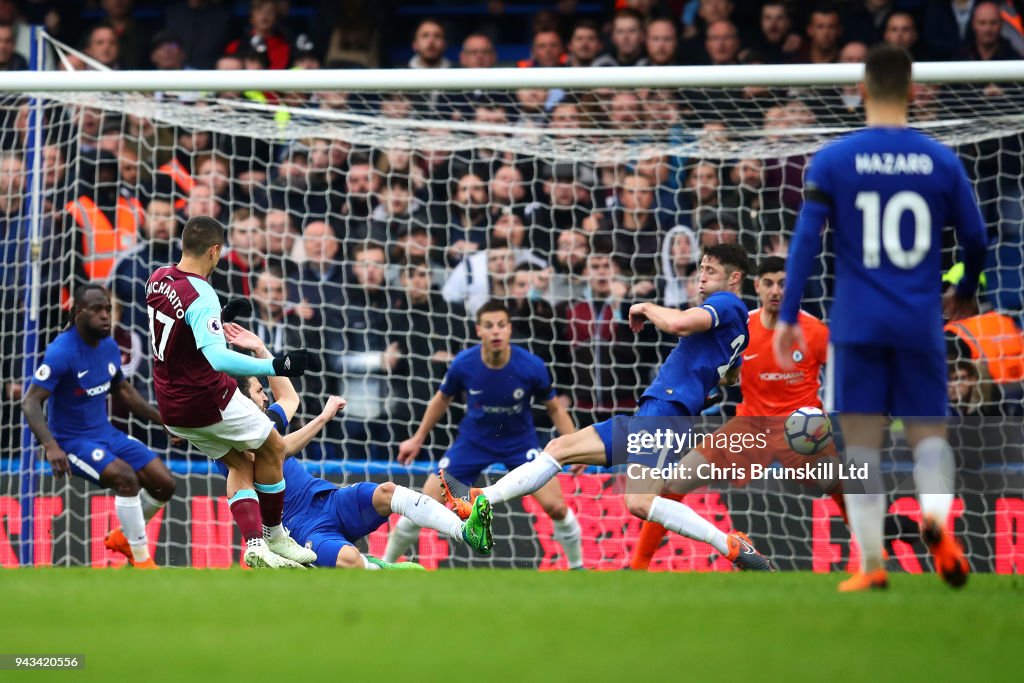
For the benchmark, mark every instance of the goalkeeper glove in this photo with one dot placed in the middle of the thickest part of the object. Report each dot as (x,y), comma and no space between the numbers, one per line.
(236,308)
(291,364)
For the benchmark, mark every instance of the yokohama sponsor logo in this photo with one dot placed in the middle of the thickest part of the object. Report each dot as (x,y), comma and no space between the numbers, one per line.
(780,376)
(98,389)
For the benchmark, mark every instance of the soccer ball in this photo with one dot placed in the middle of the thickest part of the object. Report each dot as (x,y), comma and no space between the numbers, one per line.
(808,430)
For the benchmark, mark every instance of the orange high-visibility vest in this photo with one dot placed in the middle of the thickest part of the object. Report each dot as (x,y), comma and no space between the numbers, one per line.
(181,177)
(994,338)
(101,241)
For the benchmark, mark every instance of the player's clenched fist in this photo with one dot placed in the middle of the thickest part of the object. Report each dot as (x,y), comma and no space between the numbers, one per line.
(334,405)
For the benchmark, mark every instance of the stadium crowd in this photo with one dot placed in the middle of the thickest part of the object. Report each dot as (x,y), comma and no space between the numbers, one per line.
(376,258)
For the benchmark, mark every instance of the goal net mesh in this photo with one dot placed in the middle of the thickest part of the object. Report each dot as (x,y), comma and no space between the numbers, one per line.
(369,227)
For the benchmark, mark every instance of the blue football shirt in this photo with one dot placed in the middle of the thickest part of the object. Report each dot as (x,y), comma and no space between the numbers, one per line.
(499,401)
(887,193)
(699,361)
(78,377)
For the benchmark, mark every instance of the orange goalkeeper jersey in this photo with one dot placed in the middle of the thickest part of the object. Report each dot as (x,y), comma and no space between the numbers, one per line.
(767,388)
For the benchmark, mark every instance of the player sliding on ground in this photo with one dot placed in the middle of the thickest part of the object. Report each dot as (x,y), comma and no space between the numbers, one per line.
(328,518)
(199,402)
(887,192)
(81,367)
(769,396)
(500,382)
(711,339)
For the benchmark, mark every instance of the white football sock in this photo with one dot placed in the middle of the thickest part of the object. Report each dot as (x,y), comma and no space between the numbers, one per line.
(570,535)
(129,513)
(272,533)
(524,479)
(150,505)
(367,564)
(866,511)
(934,476)
(680,518)
(405,533)
(426,512)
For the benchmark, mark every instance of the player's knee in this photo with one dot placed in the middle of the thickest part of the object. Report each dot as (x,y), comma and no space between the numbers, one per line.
(349,558)
(638,505)
(557,511)
(557,447)
(161,487)
(382,498)
(121,479)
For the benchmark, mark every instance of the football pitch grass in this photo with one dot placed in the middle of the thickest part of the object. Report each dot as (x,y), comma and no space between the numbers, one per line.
(490,625)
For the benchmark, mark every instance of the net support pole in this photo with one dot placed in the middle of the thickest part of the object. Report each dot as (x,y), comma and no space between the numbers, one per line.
(33,259)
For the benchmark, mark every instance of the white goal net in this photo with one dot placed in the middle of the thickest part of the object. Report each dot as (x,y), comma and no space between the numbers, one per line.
(368,226)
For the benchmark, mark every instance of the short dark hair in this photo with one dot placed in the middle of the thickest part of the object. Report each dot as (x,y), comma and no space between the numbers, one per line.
(493,306)
(201,233)
(244,382)
(78,299)
(360,247)
(628,13)
(771,264)
(887,72)
(826,7)
(729,255)
(586,25)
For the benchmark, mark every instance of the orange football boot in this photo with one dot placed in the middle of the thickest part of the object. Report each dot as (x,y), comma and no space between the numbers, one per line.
(148,564)
(877,579)
(117,542)
(947,553)
(461,505)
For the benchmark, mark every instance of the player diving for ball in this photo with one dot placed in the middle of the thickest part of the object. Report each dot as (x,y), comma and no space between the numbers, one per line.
(326,518)
(711,339)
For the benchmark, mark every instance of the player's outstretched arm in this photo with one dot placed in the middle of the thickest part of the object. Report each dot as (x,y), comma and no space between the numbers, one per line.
(282,387)
(670,320)
(295,441)
(32,406)
(560,416)
(410,448)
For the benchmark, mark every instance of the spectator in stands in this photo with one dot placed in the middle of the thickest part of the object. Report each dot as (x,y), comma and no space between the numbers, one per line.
(506,192)
(824,32)
(695,28)
(281,325)
(508,227)
(101,45)
(852,112)
(636,227)
(863,20)
(568,263)
(201,202)
(245,255)
(627,41)
(305,54)
(584,43)
(703,185)
(533,318)
(477,52)
(987,44)
(1012,12)
(429,332)
(947,27)
(166,53)
(157,246)
(718,226)
(900,30)
(355,38)
(759,212)
(989,337)
(970,390)
(280,241)
(55,187)
(722,43)
(10,60)
(679,279)
(546,50)
(662,42)
(563,204)
(131,42)
(428,44)
(322,276)
(606,359)
(263,31)
(397,210)
(776,42)
(13,292)
(414,244)
(625,111)
(368,354)
(485,275)
(361,186)
(100,223)
(663,171)
(203,28)
(464,219)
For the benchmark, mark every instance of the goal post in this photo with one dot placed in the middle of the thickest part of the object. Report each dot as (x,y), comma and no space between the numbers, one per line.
(501,183)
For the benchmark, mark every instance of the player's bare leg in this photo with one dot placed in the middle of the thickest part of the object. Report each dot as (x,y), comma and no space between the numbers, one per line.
(567,528)
(652,533)
(934,476)
(156,488)
(119,477)
(866,511)
(425,509)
